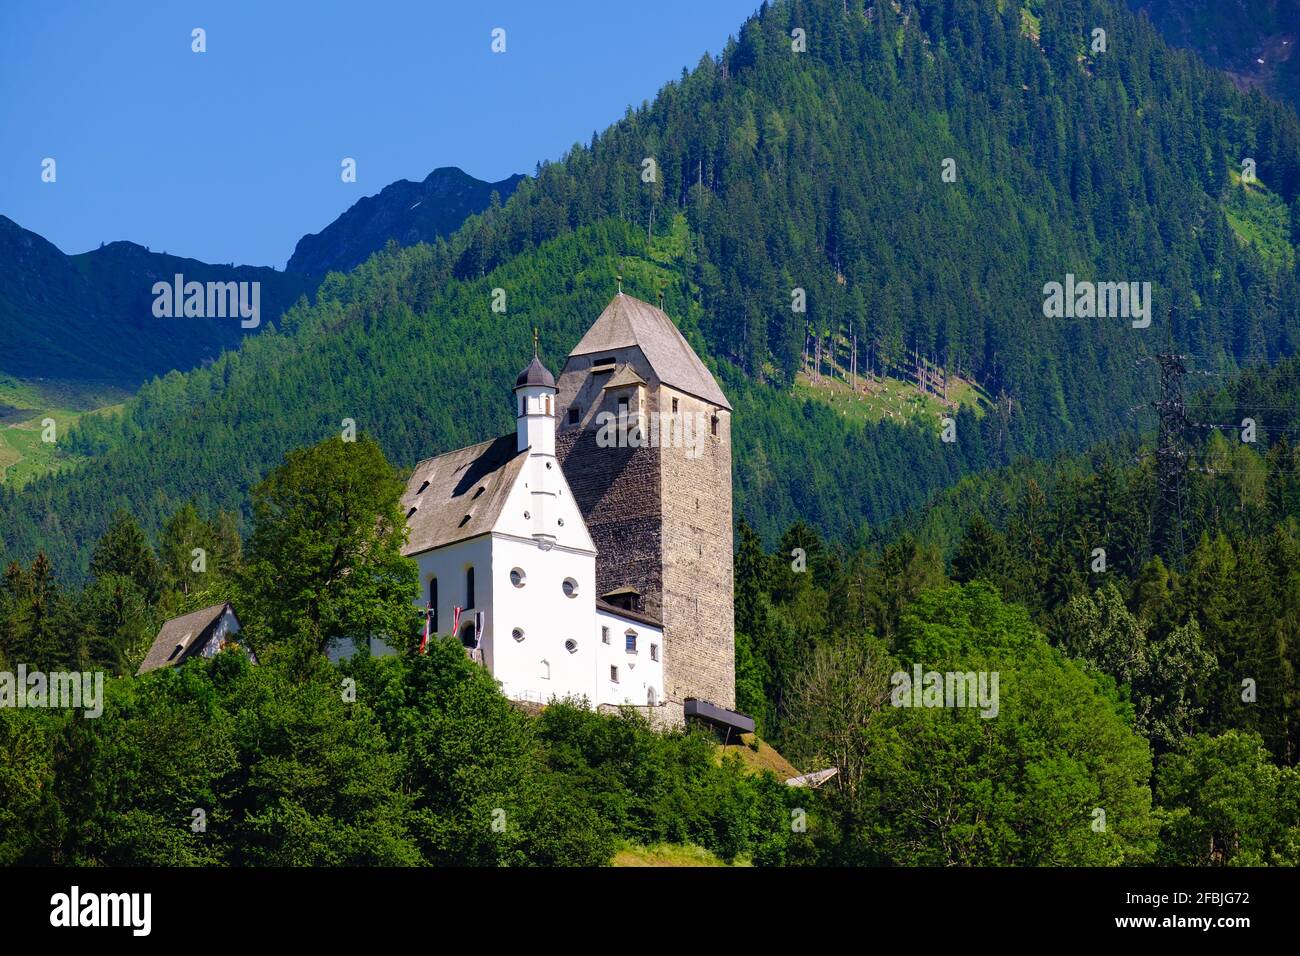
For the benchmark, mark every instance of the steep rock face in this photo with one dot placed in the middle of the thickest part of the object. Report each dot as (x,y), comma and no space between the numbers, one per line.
(405,212)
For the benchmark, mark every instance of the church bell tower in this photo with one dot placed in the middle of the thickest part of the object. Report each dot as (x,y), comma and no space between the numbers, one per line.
(644,438)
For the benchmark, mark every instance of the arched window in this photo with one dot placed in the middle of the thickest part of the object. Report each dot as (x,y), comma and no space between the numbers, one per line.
(651,698)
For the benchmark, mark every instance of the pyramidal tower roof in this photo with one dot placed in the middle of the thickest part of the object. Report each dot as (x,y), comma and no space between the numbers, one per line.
(627,321)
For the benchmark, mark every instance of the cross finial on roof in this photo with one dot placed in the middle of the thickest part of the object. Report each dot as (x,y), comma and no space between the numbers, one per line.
(534,341)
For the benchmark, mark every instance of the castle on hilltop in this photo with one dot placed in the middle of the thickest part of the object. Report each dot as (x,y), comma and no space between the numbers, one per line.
(589,554)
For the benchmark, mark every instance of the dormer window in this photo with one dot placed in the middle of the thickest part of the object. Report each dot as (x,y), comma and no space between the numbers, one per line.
(603,364)
(180,646)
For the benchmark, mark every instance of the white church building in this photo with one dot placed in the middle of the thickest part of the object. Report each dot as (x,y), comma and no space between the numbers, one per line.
(581,559)
(498,533)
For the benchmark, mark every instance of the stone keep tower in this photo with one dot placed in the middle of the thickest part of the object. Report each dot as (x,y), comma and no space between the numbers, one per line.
(644,438)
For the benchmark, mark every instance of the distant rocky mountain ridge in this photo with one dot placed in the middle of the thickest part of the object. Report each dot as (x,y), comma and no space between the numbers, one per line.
(89,317)
(1253,41)
(404,211)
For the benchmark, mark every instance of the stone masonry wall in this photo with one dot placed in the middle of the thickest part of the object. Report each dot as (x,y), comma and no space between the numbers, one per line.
(661,520)
(617,490)
(699,626)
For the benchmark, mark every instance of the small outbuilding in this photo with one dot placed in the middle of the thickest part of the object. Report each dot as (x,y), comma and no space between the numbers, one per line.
(198,634)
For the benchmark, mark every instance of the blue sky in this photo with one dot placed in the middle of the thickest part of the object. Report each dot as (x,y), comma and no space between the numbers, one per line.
(232,154)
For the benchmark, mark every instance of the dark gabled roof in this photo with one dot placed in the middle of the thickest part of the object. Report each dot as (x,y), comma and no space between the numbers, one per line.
(535,374)
(627,321)
(444,491)
(187,632)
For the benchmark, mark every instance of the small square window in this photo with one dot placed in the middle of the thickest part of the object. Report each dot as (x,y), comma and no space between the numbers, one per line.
(654,652)
(631,642)
(613,673)
(604,635)
(674,406)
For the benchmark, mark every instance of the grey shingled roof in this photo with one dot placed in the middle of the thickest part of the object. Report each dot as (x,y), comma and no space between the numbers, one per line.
(454,480)
(628,321)
(189,630)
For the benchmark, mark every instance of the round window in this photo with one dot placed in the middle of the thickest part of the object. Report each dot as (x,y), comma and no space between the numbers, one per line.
(517,577)
(571,646)
(517,634)
(570,588)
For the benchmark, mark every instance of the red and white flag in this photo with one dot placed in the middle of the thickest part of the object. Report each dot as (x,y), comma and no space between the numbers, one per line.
(428,616)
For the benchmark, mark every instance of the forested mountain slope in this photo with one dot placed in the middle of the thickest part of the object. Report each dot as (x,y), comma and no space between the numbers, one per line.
(774,170)
(89,317)
(1032,529)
